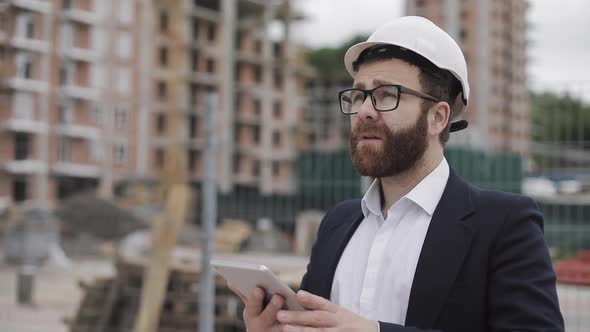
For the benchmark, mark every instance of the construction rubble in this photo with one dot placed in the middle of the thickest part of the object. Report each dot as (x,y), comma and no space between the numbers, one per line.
(86,226)
(111,304)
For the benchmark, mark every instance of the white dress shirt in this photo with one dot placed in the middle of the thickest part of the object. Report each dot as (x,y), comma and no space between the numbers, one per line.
(375,273)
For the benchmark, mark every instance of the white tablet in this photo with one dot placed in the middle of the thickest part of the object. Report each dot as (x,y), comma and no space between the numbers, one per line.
(246,276)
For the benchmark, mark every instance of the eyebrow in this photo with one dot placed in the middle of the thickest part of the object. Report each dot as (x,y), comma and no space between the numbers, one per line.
(376,82)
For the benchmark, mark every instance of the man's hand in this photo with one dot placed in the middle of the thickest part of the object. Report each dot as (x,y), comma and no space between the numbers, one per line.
(257,318)
(322,315)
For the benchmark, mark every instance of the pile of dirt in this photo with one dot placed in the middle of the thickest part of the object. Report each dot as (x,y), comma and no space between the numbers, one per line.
(90,224)
(91,215)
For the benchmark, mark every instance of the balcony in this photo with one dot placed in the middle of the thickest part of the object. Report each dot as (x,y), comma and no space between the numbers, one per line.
(27,84)
(283,154)
(80,92)
(204,78)
(252,57)
(249,119)
(164,142)
(283,186)
(206,48)
(248,23)
(81,16)
(34,5)
(26,166)
(206,13)
(251,8)
(28,44)
(66,168)
(163,73)
(247,179)
(24,125)
(196,143)
(79,54)
(250,149)
(249,87)
(78,131)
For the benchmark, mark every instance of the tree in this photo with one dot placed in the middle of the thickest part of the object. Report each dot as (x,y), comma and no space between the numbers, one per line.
(562,119)
(329,61)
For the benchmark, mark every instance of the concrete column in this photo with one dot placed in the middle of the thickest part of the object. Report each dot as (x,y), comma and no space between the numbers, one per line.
(483,74)
(267,104)
(410,7)
(453,18)
(291,95)
(107,105)
(42,180)
(146,51)
(227,111)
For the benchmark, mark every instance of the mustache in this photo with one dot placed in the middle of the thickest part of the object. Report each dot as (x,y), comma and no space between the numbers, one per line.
(364,128)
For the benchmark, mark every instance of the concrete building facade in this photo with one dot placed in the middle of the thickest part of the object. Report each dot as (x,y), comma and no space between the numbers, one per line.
(67,97)
(229,51)
(327,129)
(87,94)
(492,35)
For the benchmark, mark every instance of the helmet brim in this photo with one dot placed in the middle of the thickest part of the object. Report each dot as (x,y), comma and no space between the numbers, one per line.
(353,54)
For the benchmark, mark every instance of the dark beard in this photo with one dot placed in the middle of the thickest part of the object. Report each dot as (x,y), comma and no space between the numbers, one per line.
(399,151)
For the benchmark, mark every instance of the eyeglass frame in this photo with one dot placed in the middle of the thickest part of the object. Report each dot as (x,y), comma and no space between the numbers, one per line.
(400,88)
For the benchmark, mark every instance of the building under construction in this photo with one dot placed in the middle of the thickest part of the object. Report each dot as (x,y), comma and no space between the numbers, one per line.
(492,35)
(89,88)
(227,50)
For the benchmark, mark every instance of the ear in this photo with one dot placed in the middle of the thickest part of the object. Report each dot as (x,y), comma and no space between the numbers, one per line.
(438,118)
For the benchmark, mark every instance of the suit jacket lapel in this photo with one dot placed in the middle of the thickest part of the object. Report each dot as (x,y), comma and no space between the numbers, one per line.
(339,237)
(447,241)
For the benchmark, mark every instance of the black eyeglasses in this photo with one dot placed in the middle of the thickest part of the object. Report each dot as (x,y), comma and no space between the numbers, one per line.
(385,98)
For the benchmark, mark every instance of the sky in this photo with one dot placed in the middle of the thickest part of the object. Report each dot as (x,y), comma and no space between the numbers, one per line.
(559,35)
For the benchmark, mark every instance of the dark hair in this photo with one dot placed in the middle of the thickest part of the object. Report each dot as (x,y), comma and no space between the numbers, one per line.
(434,81)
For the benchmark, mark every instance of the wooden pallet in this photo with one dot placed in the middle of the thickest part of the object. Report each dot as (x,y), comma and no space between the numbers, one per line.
(112,304)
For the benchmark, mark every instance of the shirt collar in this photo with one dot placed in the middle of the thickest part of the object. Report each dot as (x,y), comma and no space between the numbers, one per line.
(426,193)
(371,202)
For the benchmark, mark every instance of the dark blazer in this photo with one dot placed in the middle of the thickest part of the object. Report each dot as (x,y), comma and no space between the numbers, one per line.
(484,264)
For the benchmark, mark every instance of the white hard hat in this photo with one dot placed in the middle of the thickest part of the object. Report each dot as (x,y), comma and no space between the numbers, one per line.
(423,37)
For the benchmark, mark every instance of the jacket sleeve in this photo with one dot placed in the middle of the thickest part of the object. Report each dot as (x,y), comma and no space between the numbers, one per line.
(521,285)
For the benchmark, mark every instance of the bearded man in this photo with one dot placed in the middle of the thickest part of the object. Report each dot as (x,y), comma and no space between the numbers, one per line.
(422,250)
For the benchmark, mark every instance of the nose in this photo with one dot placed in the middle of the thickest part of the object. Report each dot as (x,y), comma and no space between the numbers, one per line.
(367,111)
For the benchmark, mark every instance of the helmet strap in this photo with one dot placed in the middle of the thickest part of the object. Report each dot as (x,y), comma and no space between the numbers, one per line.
(458,125)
